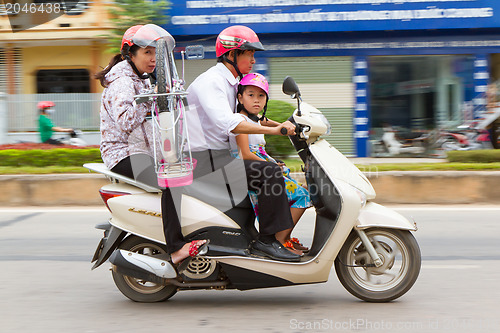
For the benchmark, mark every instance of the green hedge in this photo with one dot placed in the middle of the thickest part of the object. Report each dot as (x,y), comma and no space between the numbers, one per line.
(474,156)
(279,146)
(45,157)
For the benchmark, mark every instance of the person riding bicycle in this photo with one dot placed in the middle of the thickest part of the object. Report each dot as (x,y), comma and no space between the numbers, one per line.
(46,126)
(126,135)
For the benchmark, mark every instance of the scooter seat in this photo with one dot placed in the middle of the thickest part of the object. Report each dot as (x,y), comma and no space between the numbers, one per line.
(216,194)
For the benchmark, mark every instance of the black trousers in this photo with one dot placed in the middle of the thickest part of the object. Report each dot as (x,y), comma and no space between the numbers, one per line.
(53,142)
(265,178)
(141,168)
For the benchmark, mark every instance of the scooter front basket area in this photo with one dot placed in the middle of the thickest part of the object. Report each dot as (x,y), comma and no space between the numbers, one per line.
(173,162)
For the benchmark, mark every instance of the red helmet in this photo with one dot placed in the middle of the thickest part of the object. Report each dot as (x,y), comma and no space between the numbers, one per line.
(237,37)
(45,105)
(144,36)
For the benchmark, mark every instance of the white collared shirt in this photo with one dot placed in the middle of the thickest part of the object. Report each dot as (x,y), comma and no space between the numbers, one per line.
(212,103)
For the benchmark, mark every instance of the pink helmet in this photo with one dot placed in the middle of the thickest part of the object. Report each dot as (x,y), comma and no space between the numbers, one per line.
(257,80)
(237,37)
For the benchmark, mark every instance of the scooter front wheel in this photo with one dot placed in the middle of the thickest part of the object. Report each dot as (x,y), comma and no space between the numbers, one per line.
(400,267)
(136,289)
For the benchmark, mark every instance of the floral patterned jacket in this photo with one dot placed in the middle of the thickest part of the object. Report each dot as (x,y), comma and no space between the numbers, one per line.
(124,128)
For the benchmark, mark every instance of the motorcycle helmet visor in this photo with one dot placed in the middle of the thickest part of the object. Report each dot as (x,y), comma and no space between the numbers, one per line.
(148,34)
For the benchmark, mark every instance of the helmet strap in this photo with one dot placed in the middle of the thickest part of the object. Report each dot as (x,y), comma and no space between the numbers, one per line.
(264,113)
(140,75)
(234,63)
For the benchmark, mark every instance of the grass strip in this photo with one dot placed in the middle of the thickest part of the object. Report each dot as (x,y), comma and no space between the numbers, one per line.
(294,165)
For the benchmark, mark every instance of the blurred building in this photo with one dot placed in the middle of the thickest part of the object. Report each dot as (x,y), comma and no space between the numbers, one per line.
(417,64)
(53,52)
(48,52)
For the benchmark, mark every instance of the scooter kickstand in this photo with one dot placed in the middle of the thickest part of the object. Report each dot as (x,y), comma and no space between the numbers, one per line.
(369,247)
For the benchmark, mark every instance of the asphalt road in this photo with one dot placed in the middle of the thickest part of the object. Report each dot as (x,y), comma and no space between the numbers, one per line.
(46,284)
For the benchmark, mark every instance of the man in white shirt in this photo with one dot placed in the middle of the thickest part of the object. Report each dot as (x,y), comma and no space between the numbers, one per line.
(212,100)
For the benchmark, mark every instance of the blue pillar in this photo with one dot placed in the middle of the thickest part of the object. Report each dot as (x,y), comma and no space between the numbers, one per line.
(481,79)
(261,66)
(361,119)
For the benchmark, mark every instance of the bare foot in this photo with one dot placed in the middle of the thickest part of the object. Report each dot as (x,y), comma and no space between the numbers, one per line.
(183,253)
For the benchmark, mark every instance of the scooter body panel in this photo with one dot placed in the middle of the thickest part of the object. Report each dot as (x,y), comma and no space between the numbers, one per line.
(337,166)
(311,269)
(377,216)
(140,214)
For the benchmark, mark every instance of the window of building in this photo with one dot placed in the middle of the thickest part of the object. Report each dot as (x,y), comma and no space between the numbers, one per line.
(63,81)
(420,93)
(13,74)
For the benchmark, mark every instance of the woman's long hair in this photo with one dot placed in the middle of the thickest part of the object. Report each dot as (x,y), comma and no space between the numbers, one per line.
(116,59)
(102,74)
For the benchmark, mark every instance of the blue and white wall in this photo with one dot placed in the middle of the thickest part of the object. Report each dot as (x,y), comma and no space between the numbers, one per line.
(357,29)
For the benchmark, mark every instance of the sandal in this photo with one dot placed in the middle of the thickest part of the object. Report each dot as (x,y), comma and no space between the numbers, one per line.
(195,249)
(289,245)
(198,249)
(298,245)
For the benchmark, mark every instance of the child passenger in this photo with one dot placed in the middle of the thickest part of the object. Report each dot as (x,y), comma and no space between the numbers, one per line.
(253,95)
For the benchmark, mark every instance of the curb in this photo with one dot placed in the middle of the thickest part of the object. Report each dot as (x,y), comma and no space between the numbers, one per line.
(392,187)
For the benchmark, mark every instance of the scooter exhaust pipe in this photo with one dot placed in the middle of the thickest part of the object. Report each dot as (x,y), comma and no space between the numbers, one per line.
(143,267)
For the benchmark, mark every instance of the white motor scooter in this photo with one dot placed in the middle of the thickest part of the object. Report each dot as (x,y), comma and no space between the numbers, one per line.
(375,255)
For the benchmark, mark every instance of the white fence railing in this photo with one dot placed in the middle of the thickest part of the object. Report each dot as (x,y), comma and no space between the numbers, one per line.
(79,111)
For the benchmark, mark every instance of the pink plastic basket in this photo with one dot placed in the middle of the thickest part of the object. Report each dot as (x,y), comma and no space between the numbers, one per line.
(180,174)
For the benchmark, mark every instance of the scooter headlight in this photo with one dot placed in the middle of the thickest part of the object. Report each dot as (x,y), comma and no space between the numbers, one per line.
(325,121)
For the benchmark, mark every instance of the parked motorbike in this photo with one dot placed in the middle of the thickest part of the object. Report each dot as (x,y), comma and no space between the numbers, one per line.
(393,144)
(375,255)
(478,138)
(465,137)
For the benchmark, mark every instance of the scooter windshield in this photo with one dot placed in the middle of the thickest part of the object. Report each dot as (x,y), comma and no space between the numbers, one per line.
(150,33)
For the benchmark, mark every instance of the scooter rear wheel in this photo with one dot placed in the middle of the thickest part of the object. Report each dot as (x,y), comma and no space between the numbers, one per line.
(401,259)
(136,289)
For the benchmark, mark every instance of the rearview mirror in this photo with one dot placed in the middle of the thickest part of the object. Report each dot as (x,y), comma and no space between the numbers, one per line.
(195,52)
(290,87)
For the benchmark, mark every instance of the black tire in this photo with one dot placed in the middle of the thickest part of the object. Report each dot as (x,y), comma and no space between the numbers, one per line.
(401,256)
(162,74)
(138,290)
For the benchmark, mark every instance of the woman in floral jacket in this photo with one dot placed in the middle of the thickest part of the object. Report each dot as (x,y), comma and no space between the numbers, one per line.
(126,135)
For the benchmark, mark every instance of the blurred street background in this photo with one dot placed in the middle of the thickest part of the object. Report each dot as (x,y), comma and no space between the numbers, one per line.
(394,78)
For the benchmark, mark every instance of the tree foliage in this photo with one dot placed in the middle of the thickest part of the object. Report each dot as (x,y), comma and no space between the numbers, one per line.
(127,13)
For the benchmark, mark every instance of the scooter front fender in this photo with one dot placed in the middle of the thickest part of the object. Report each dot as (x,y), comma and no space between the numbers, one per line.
(377,216)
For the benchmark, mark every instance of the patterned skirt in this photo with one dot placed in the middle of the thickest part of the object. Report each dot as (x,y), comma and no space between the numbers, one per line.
(298,196)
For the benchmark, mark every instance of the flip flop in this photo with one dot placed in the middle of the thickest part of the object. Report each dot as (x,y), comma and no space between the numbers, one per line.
(298,245)
(194,251)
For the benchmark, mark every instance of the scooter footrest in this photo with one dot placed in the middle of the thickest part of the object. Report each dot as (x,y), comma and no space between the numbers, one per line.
(219,251)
